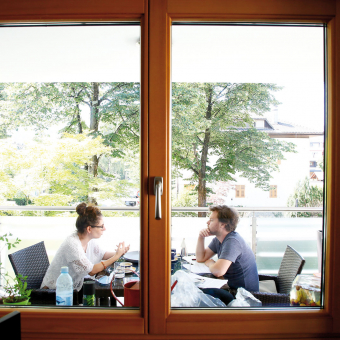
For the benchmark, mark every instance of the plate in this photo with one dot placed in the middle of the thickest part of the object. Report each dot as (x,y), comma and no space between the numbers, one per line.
(132,256)
(129,270)
(126,264)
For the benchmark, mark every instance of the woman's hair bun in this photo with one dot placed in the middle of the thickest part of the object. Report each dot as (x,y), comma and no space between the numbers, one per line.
(81,208)
(88,216)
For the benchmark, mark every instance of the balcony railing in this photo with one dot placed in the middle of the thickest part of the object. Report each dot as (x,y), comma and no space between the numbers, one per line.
(267,235)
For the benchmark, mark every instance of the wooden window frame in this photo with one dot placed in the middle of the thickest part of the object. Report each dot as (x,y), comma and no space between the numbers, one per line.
(156,320)
(78,323)
(284,323)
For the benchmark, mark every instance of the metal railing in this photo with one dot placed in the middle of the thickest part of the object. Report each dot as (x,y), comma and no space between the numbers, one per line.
(181,209)
(174,209)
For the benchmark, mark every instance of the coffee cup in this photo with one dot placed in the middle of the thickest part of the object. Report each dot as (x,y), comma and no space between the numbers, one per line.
(173,254)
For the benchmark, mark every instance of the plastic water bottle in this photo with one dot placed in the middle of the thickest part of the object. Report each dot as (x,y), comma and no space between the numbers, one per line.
(64,293)
(183,249)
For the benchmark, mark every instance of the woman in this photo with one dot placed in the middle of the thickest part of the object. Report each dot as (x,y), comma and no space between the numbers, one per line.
(80,252)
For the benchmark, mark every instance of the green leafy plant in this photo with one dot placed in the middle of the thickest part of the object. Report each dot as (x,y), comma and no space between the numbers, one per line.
(9,245)
(89,300)
(17,292)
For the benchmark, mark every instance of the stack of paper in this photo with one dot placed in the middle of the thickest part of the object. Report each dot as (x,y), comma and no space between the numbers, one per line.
(206,282)
(197,268)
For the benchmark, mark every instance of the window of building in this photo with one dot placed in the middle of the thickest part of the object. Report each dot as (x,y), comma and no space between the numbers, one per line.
(240,191)
(273,191)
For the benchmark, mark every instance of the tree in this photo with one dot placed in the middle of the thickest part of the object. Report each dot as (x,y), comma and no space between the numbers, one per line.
(187,198)
(306,195)
(112,108)
(52,172)
(214,137)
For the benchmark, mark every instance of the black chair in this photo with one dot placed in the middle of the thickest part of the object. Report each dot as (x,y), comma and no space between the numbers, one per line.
(291,265)
(11,324)
(33,262)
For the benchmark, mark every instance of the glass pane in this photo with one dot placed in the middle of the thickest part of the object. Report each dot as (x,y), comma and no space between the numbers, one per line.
(69,114)
(248,119)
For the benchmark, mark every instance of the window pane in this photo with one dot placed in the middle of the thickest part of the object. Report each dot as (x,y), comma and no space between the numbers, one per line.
(247,112)
(69,113)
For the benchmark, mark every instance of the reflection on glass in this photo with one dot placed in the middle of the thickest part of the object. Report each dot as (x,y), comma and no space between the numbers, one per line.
(69,114)
(248,132)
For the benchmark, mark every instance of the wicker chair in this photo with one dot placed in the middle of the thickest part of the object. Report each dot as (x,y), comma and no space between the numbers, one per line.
(33,262)
(291,265)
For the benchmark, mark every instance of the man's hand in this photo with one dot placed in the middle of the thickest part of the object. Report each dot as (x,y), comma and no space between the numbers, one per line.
(205,232)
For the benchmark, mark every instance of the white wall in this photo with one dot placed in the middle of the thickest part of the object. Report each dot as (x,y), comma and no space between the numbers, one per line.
(293,169)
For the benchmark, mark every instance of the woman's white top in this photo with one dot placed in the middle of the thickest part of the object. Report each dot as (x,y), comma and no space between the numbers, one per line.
(79,263)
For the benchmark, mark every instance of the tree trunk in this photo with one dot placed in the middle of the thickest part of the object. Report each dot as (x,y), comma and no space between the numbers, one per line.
(94,124)
(94,119)
(80,128)
(202,183)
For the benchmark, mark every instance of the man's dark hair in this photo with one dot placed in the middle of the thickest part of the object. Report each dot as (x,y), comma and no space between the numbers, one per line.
(228,216)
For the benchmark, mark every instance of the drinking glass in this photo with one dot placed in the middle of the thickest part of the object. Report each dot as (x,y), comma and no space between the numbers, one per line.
(119,270)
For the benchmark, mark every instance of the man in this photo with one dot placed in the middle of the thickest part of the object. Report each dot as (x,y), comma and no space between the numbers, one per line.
(236,261)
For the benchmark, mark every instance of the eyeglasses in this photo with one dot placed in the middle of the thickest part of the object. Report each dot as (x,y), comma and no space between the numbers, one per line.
(97,226)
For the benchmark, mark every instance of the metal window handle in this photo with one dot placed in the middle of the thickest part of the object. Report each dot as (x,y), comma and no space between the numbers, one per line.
(158,191)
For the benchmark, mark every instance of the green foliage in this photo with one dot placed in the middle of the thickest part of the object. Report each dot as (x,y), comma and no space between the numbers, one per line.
(9,245)
(113,109)
(17,291)
(186,198)
(54,170)
(213,120)
(306,195)
(113,112)
(89,300)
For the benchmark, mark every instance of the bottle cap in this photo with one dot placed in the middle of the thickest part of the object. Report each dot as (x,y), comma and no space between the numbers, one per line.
(89,288)
(64,269)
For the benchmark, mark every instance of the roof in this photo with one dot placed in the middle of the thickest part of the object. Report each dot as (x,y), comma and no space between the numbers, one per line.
(280,129)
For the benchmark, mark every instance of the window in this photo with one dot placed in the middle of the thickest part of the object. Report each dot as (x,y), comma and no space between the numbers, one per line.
(161,321)
(219,140)
(240,191)
(72,114)
(273,191)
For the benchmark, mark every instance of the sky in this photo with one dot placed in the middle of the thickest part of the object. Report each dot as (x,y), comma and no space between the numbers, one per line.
(291,57)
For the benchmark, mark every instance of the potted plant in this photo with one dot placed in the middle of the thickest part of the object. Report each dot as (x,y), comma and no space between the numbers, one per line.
(9,245)
(17,293)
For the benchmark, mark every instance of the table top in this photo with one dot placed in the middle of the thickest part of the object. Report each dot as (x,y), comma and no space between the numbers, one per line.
(103,290)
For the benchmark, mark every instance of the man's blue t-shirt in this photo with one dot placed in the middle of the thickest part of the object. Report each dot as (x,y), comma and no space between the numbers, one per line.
(243,270)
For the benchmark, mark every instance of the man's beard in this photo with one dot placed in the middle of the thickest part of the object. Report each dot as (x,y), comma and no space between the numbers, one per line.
(211,233)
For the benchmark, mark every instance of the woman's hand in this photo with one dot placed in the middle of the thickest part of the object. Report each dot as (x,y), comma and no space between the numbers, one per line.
(120,251)
(126,249)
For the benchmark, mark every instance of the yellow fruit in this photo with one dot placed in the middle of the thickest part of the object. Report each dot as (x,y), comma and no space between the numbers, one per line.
(303,295)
